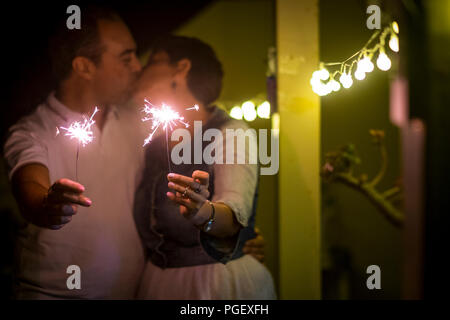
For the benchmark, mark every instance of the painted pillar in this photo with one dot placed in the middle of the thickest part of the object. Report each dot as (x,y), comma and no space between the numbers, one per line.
(297,33)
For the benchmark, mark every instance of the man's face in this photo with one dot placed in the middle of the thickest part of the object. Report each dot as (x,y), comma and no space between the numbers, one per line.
(118,69)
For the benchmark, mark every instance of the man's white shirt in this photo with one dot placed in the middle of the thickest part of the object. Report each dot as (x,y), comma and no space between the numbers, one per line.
(102,239)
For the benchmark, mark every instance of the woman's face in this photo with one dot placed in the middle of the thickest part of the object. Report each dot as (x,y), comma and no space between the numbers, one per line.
(156,81)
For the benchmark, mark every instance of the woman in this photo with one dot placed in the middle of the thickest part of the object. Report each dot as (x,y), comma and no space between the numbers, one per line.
(195,219)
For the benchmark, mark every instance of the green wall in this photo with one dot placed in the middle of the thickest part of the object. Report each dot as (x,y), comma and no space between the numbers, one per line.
(352,228)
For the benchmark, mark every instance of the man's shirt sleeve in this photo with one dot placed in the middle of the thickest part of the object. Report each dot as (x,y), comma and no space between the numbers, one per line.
(23,146)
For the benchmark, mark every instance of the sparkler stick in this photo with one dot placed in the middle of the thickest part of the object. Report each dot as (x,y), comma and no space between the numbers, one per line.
(82,132)
(164,117)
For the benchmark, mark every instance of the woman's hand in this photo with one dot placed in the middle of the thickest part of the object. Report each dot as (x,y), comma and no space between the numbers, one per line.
(190,193)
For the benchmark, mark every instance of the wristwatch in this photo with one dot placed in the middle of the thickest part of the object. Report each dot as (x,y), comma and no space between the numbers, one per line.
(208,224)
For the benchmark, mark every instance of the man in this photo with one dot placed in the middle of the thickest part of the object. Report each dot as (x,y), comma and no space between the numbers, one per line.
(95,66)
(86,224)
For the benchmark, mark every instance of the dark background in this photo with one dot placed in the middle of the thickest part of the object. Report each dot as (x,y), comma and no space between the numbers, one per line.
(26,26)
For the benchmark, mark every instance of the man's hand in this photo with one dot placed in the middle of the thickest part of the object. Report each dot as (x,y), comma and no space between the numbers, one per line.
(44,205)
(60,203)
(255,246)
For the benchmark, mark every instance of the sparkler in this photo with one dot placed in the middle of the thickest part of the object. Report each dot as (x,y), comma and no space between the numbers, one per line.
(164,117)
(82,132)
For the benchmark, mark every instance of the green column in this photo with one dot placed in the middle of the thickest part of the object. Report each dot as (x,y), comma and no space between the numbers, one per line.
(299,108)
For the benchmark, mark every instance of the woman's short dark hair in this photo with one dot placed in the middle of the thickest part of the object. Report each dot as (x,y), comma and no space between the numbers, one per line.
(205,76)
(67,44)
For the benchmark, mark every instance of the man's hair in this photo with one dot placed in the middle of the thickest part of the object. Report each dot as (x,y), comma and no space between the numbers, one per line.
(205,76)
(67,44)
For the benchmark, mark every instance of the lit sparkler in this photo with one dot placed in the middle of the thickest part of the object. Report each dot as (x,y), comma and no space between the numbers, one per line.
(80,131)
(164,117)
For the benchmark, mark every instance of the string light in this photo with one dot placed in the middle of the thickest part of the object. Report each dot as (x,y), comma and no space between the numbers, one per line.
(365,65)
(383,61)
(336,86)
(248,109)
(346,80)
(263,110)
(360,75)
(323,81)
(395,27)
(236,113)
(393,43)
(249,112)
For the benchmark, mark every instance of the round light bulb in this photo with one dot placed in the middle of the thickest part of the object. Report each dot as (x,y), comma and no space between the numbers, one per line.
(316,75)
(365,65)
(248,106)
(359,74)
(249,114)
(236,113)
(335,85)
(393,43)
(321,89)
(314,81)
(395,27)
(346,80)
(383,62)
(264,110)
(323,74)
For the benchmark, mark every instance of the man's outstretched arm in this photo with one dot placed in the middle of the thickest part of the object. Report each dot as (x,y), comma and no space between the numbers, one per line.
(45,205)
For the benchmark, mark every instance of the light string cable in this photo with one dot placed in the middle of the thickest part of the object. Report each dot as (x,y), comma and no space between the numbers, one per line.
(362,59)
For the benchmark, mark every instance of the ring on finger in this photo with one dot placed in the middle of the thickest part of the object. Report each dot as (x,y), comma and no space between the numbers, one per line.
(184,195)
(197,189)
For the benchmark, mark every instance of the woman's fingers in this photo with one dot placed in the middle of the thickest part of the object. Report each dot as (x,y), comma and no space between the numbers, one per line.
(187,181)
(199,183)
(202,176)
(179,200)
(186,191)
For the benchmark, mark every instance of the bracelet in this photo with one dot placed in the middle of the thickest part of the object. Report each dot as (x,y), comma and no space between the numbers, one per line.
(208,225)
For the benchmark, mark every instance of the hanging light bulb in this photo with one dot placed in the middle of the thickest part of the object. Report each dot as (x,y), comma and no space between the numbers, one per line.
(383,61)
(322,89)
(335,85)
(319,89)
(248,106)
(359,74)
(236,113)
(365,64)
(248,109)
(346,80)
(395,27)
(316,75)
(323,74)
(329,87)
(393,43)
(263,110)
(314,81)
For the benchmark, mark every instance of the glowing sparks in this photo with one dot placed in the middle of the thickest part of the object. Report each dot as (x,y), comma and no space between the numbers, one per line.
(195,107)
(81,130)
(164,117)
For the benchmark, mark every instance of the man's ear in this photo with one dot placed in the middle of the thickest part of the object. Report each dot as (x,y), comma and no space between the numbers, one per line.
(83,67)
(183,68)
